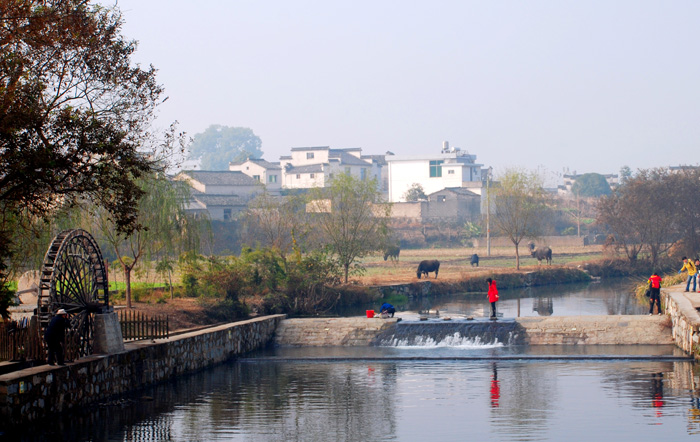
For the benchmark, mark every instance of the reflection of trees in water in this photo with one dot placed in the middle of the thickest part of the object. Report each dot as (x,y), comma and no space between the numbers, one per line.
(543,306)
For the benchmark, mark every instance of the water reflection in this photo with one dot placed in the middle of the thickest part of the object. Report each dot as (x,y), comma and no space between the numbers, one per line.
(607,297)
(447,400)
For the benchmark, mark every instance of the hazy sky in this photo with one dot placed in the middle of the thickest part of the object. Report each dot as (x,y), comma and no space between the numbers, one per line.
(585,85)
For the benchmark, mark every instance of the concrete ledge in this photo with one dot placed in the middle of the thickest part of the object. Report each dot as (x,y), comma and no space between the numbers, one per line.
(597,330)
(325,332)
(680,306)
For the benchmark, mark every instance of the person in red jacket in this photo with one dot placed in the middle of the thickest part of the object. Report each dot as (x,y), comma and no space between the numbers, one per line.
(493,296)
(655,290)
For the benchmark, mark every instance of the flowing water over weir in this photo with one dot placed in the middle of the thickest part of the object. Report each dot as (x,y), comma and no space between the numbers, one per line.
(451,334)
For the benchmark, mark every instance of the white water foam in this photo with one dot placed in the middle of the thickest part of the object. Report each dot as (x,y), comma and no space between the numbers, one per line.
(453,341)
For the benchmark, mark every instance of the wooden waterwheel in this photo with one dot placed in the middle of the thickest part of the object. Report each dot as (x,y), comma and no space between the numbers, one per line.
(73,278)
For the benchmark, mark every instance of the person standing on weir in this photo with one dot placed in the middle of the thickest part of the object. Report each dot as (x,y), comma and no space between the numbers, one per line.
(493,296)
(692,273)
(655,289)
(55,336)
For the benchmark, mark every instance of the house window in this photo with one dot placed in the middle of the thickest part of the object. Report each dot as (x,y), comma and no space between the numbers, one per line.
(451,172)
(309,155)
(347,171)
(441,198)
(436,168)
(363,174)
(272,179)
(256,177)
(227,214)
(330,176)
(312,176)
(298,176)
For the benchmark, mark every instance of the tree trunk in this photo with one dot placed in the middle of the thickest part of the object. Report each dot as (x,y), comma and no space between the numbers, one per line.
(127,277)
(347,270)
(517,257)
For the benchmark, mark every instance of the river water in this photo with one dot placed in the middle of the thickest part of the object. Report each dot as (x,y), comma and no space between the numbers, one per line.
(465,391)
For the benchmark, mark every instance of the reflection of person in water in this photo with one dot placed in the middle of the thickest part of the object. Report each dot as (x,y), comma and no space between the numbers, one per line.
(495,388)
(657,392)
(543,306)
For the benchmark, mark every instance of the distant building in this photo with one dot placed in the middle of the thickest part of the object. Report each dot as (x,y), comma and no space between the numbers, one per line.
(269,174)
(309,167)
(451,168)
(219,194)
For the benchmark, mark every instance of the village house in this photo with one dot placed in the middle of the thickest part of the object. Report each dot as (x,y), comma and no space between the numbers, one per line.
(451,168)
(265,172)
(219,194)
(309,167)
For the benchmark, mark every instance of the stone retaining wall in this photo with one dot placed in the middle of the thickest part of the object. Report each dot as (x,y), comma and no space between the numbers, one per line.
(30,394)
(681,308)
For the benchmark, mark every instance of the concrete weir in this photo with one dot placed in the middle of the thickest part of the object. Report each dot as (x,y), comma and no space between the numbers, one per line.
(553,330)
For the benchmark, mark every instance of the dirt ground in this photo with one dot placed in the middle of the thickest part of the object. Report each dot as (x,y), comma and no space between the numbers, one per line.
(183,313)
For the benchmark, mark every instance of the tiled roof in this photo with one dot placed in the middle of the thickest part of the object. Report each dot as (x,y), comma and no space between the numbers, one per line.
(220,178)
(309,168)
(346,159)
(458,191)
(301,149)
(258,161)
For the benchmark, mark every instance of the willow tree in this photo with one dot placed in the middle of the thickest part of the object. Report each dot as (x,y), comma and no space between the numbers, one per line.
(350,217)
(166,227)
(519,207)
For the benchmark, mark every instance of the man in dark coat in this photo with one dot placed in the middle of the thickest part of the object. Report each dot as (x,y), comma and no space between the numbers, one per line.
(55,336)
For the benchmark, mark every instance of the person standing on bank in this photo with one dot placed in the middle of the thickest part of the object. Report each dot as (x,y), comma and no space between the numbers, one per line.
(55,336)
(493,296)
(655,290)
(692,273)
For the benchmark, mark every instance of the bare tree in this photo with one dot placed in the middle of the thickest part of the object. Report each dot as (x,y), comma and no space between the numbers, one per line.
(350,218)
(519,205)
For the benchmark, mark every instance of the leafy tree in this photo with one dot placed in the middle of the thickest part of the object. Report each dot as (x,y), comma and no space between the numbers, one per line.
(591,185)
(218,145)
(165,268)
(625,174)
(350,218)
(166,226)
(74,115)
(519,207)
(415,193)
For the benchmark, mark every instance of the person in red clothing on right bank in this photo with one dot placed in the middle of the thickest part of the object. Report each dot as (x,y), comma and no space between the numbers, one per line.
(655,289)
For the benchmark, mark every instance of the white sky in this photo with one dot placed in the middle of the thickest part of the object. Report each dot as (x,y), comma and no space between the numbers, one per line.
(586,85)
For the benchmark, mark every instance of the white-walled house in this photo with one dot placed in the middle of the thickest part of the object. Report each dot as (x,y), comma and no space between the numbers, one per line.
(265,172)
(309,167)
(450,168)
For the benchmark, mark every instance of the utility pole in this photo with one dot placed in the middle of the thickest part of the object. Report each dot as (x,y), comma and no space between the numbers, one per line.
(488,213)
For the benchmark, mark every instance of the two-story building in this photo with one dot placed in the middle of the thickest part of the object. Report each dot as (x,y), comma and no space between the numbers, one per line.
(265,172)
(309,167)
(451,168)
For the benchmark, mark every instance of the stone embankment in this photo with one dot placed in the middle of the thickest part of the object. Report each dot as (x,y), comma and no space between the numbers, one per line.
(553,330)
(682,307)
(32,393)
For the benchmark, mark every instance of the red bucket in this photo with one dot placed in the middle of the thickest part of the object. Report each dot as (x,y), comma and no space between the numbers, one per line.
(370,313)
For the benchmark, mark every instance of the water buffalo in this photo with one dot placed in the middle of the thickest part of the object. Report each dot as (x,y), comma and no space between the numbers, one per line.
(428,266)
(392,252)
(541,253)
(475,260)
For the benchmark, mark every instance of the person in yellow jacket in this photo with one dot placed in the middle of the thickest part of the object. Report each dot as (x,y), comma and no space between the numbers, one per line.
(692,273)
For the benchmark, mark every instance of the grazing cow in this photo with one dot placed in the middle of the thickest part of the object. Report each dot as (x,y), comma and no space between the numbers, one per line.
(541,253)
(392,252)
(475,260)
(428,266)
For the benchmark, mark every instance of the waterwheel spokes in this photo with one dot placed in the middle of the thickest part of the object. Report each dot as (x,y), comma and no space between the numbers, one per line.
(74,278)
